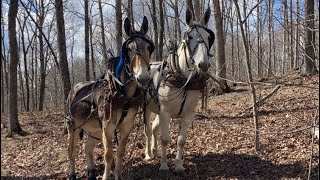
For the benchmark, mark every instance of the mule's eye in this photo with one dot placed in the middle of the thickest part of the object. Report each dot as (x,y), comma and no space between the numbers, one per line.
(190,37)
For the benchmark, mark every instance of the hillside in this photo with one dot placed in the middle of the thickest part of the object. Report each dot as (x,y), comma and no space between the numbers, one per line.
(219,143)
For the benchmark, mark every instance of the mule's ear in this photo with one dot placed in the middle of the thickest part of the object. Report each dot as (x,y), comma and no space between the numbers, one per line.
(144,26)
(127,26)
(205,18)
(189,17)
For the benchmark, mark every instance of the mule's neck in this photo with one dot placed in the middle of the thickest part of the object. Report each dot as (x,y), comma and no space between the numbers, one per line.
(131,88)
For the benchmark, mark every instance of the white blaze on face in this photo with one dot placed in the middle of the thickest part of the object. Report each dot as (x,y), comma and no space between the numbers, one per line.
(139,63)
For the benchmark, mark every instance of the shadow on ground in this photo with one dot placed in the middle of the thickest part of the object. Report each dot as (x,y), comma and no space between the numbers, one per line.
(226,166)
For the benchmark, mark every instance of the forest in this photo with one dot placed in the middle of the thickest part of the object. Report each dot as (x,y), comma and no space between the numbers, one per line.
(48,46)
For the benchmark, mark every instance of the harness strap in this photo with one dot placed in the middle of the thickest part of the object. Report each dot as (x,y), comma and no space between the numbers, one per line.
(124,111)
(185,93)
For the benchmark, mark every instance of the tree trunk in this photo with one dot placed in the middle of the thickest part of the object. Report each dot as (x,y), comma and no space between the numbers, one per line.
(161,35)
(270,37)
(104,48)
(86,38)
(130,13)
(177,21)
(64,69)
(297,36)
(259,42)
(291,36)
(14,126)
(190,5)
(42,60)
(309,67)
(285,36)
(221,57)
(197,10)
(155,29)
(92,53)
(22,26)
(253,92)
(119,25)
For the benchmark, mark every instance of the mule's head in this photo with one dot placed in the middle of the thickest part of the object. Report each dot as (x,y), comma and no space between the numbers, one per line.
(199,40)
(138,49)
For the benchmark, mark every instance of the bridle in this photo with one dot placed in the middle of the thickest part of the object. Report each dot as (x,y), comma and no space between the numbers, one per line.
(137,52)
(128,62)
(185,43)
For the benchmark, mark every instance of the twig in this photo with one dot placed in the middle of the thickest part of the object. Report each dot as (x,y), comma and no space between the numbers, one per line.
(312,141)
(217,81)
(264,98)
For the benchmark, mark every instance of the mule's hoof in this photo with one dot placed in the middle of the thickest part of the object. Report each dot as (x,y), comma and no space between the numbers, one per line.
(92,174)
(148,158)
(164,168)
(179,170)
(155,153)
(72,177)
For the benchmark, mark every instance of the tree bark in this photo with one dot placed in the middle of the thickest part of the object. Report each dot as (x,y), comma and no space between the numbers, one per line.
(190,5)
(155,29)
(104,48)
(177,21)
(64,69)
(42,60)
(86,38)
(309,67)
(119,25)
(130,13)
(14,126)
(161,18)
(197,10)
(92,53)
(221,57)
(297,35)
(270,37)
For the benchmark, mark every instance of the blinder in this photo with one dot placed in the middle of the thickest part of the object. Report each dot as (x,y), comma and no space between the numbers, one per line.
(200,39)
(128,41)
(211,37)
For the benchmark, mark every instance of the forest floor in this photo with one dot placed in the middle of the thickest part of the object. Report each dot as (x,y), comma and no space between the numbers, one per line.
(220,142)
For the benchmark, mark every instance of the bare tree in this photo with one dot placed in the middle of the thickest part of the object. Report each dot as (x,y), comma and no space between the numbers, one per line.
(309,67)
(221,58)
(190,5)
(86,37)
(161,33)
(250,79)
(197,9)
(118,25)
(104,48)
(14,126)
(155,29)
(64,69)
(177,22)
(41,16)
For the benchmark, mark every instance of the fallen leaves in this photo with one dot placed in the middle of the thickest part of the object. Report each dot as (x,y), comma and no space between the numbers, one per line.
(219,143)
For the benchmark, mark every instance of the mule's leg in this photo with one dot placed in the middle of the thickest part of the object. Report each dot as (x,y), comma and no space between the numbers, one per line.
(148,134)
(88,149)
(107,137)
(73,135)
(155,132)
(184,124)
(125,129)
(165,139)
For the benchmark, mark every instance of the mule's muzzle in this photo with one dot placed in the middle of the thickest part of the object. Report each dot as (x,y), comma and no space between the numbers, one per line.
(143,80)
(204,66)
